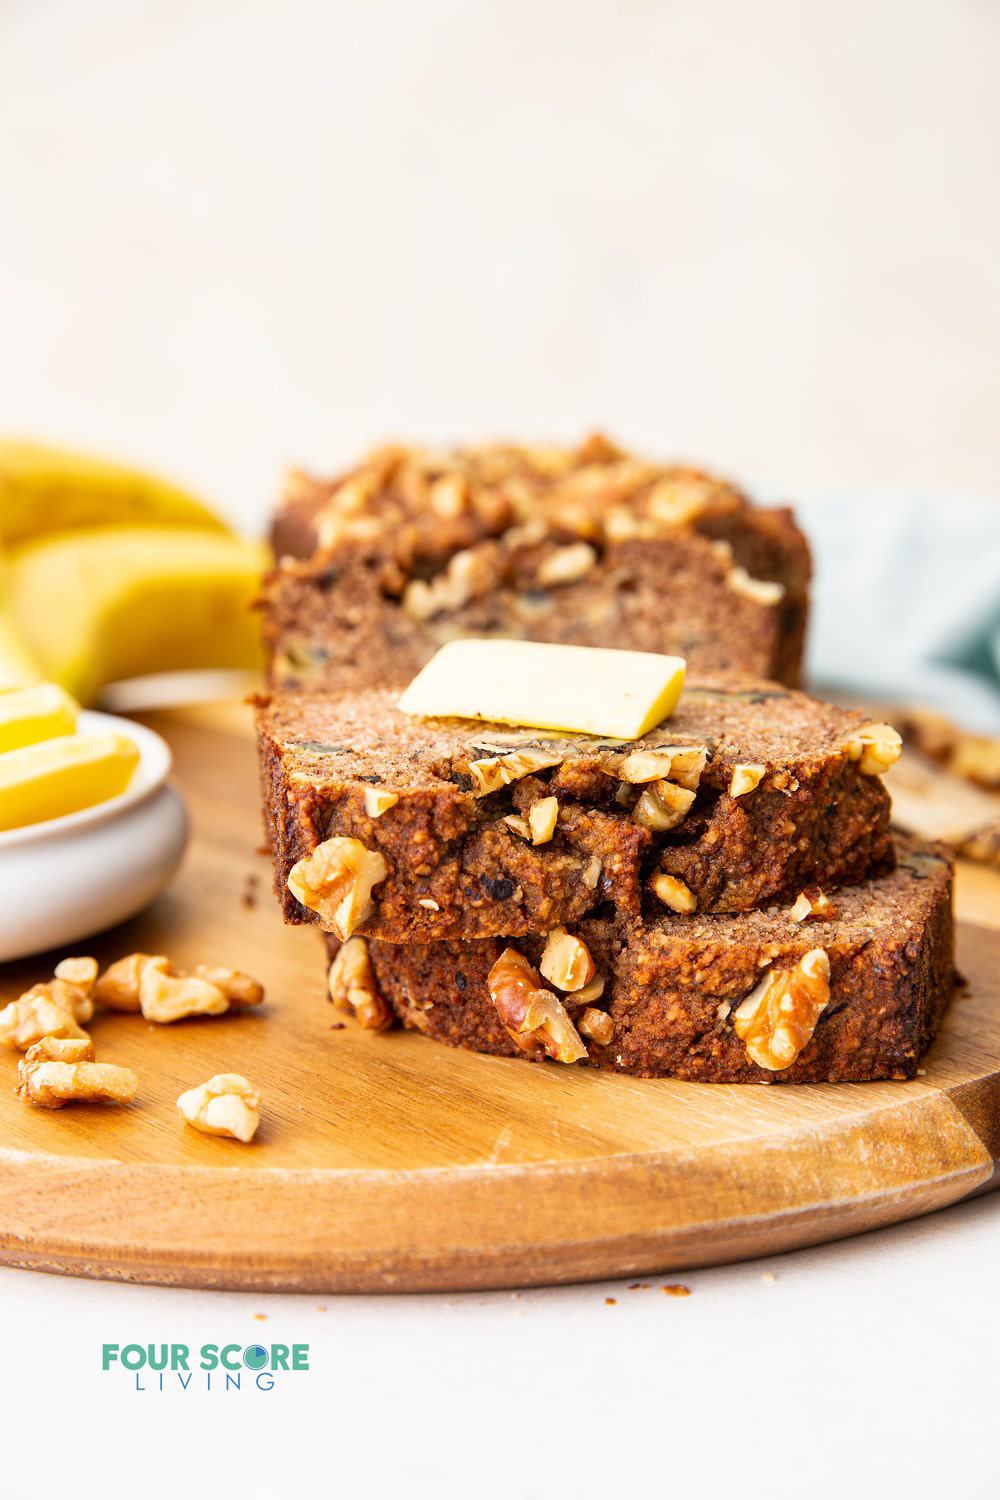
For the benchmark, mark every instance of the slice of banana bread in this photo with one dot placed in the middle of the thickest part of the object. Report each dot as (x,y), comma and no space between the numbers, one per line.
(589,546)
(420,830)
(853,992)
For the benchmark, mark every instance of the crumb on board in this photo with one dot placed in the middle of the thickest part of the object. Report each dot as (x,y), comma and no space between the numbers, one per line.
(676,1289)
(769,1277)
(639,1286)
(610,1301)
(260,1317)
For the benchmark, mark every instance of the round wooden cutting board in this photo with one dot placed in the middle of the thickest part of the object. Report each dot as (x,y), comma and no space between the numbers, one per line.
(389,1162)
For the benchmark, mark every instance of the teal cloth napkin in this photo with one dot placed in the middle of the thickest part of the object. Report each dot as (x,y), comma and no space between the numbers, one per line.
(906,601)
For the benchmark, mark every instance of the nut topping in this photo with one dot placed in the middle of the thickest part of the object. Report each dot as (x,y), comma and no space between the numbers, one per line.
(467,576)
(778,1017)
(662,806)
(500,770)
(378,801)
(597,1026)
(566,961)
(677,502)
(682,764)
(760,590)
(60,1070)
(542,818)
(567,564)
(227,1104)
(590,992)
(811,905)
(673,892)
(746,779)
(876,747)
(532,1016)
(336,881)
(351,985)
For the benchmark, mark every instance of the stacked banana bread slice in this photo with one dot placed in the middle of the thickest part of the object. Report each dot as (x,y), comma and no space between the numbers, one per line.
(719,900)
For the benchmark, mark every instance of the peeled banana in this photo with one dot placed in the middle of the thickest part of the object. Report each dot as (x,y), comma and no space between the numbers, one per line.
(46,489)
(99,605)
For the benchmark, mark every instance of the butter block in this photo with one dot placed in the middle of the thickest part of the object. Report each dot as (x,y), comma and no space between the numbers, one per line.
(29,715)
(62,776)
(580,689)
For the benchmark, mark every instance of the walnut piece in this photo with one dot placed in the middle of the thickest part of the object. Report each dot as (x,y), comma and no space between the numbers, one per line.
(662,806)
(467,576)
(542,818)
(351,985)
(677,502)
(118,987)
(681,764)
(44,1010)
(778,1017)
(166,995)
(498,771)
(532,1016)
(566,961)
(760,590)
(227,1104)
(239,989)
(336,881)
(378,801)
(812,905)
(61,1070)
(746,779)
(876,747)
(81,972)
(567,564)
(673,892)
(592,873)
(597,1026)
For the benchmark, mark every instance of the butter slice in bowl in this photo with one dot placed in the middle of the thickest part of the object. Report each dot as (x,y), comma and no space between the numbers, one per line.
(579,689)
(63,775)
(31,714)
(90,832)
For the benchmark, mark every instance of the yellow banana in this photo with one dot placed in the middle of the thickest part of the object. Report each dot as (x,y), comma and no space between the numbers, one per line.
(44,489)
(100,605)
(18,667)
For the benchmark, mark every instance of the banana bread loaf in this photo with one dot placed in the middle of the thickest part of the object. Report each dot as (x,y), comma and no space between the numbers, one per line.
(851,989)
(381,566)
(420,830)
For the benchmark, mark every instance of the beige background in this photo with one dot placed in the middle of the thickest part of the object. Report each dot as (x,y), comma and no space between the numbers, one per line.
(765,234)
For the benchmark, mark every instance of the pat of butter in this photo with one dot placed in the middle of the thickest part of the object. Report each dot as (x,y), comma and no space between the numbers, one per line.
(582,689)
(28,715)
(62,776)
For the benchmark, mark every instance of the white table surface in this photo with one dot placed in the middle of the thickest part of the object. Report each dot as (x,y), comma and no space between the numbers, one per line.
(234,235)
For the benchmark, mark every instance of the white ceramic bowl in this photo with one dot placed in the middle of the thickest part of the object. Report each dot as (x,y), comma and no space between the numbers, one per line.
(67,878)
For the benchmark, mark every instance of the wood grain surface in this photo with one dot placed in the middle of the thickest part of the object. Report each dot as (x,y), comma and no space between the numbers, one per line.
(389,1162)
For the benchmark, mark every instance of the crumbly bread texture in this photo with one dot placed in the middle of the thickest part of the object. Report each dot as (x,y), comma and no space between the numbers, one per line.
(455,829)
(381,566)
(674,986)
